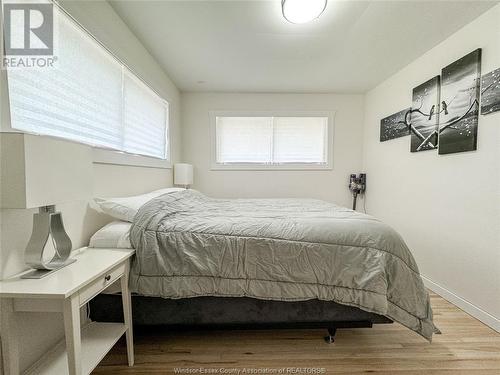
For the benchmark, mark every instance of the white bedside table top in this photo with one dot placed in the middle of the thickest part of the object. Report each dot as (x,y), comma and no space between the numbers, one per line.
(90,264)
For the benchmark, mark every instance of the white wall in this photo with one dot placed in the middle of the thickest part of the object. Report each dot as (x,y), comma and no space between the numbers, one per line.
(40,332)
(330,185)
(446,207)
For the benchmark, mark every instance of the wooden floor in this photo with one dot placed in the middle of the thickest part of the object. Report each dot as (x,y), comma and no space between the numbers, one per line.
(466,347)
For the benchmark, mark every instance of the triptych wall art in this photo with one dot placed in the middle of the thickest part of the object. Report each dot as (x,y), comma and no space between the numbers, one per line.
(445,109)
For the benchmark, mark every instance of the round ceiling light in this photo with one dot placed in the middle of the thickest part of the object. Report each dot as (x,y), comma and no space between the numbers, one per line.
(301,11)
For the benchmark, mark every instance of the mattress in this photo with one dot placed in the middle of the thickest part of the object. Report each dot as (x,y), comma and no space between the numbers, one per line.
(113,235)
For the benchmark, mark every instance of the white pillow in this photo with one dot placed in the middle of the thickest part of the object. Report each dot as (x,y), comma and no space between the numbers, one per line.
(112,236)
(126,208)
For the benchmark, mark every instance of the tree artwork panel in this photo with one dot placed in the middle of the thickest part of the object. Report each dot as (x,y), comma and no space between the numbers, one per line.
(425,116)
(460,104)
(394,126)
(490,92)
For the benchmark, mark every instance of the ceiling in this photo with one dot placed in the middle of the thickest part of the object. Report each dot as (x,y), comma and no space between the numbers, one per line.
(247,46)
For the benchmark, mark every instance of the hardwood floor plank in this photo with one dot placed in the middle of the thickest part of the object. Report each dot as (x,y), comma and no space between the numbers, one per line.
(466,347)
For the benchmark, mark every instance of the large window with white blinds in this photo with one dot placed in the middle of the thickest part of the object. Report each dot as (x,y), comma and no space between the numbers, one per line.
(258,141)
(88,96)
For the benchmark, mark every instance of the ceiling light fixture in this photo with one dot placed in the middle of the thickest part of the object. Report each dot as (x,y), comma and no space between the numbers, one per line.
(301,11)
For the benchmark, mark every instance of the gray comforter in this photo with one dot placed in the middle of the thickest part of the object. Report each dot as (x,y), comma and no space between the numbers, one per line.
(191,245)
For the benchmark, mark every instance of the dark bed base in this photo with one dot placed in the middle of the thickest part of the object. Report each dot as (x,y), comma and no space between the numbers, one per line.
(234,313)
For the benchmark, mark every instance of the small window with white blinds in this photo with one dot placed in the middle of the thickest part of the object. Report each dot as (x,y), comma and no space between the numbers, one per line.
(88,96)
(261,142)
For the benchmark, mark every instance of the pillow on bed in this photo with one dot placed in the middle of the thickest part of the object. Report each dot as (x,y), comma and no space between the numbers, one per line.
(125,208)
(113,235)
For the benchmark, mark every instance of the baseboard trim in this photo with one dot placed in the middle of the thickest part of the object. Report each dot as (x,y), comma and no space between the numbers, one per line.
(463,304)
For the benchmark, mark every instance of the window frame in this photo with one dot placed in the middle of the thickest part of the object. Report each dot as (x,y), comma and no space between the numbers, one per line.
(100,154)
(214,166)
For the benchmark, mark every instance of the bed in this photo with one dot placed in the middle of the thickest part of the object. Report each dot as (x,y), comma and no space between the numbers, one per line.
(220,312)
(268,262)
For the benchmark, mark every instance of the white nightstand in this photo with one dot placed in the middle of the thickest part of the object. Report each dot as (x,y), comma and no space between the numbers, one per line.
(66,291)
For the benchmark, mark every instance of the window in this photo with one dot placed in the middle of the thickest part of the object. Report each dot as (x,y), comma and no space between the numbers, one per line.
(144,119)
(288,141)
(88,96)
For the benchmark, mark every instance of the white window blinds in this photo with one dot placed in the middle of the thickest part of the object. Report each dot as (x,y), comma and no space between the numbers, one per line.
(244,139)
(88,96)
(300,139)
(145,116)
(271,140)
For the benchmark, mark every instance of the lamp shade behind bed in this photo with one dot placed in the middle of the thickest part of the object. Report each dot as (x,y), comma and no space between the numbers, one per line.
(183,174)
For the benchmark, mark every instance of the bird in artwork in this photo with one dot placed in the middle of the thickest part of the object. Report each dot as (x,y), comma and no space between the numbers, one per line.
(431,112)
(445,107)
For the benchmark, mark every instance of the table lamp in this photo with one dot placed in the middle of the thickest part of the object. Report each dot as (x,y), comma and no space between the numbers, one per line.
(38,172)
(183,174)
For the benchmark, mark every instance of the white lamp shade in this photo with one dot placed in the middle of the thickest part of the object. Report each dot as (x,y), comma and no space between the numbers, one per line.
(41,171)
(183,174)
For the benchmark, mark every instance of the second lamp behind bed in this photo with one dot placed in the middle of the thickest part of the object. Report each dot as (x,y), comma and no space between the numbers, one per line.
(183,175)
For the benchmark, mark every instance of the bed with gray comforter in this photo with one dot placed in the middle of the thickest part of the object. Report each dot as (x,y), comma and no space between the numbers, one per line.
(190,245)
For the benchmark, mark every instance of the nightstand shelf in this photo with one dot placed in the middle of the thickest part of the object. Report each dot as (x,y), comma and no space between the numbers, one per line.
(97,340)
(66,291)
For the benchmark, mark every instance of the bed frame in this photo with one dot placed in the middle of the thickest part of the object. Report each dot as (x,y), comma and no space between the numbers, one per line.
(234,313)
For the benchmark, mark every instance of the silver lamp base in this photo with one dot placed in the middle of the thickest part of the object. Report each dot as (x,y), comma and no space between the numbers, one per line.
(47,224)
(38,274)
